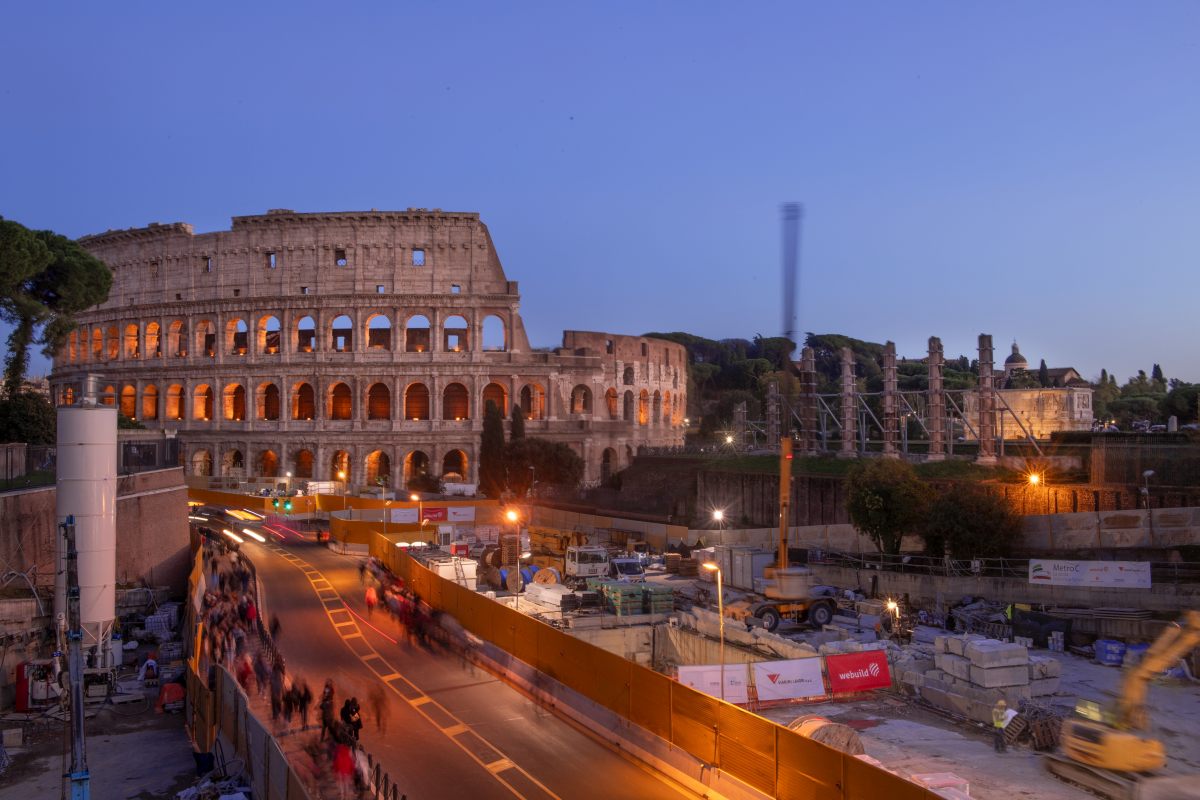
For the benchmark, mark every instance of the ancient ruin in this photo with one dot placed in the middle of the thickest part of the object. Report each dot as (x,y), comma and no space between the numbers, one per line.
(357,343)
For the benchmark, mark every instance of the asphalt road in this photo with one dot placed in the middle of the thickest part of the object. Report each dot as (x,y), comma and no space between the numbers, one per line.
(452,730)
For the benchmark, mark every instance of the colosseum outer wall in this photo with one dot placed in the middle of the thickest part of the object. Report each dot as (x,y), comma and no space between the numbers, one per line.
(364,343)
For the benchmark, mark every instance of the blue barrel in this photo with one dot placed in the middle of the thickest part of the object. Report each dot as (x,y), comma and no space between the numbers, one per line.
(504,577)
(1110,652)
(527,575)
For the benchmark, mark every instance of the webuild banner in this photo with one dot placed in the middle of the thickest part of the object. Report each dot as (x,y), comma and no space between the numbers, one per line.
(707,678)
(858,672)
(788,680)
(1115,574)
(461,513)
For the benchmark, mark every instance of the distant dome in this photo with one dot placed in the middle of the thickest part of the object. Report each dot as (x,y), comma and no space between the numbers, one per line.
(1016,359)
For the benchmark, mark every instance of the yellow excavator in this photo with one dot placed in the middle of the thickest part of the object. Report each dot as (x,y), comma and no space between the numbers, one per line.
(1104,750)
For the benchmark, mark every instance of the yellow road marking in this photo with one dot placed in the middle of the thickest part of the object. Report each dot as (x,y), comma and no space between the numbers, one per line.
(493,767)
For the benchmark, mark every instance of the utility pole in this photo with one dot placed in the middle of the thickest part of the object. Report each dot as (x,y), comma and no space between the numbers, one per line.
(78,776)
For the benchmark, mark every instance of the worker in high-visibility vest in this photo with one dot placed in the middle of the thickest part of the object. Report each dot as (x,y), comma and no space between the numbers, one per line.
(999,720)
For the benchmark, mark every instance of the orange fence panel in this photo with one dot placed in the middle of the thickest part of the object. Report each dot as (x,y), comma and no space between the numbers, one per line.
(650,700)
(612,681)
(694,722)
(863,781)
(808,770)
(527,634)
(746,746)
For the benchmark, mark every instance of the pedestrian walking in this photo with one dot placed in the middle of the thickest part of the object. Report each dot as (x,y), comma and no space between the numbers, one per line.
(999,721)
(276,689)
(372,599)
(275,626)
(352,718)
(326,708)
(304,699)
(362,572)
(379,708)
(343,770)
(262,673)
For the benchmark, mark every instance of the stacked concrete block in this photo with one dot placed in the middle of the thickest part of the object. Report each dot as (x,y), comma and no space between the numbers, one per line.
(1045,675)
(972,672)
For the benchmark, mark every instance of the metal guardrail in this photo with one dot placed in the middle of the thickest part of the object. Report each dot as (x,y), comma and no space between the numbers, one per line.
(1161,571)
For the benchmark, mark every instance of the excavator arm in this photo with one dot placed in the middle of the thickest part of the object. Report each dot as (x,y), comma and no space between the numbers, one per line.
(1175,641)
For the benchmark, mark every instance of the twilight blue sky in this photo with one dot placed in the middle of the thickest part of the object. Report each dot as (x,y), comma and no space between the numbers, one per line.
(1025,169)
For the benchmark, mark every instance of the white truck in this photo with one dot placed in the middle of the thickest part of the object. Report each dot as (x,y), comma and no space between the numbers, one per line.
(627,569)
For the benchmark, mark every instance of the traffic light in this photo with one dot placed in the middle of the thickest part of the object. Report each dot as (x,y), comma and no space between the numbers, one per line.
(275,503)
(287,506)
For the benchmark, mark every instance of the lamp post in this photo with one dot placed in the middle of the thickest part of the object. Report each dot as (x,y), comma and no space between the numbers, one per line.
(386,513)
(719,518)
(512,516)
(721,621)
(1146,476)
(342,478)
(1034,480)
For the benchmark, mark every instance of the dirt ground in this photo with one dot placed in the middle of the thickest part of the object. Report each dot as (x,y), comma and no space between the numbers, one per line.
(136,757)
(912,739)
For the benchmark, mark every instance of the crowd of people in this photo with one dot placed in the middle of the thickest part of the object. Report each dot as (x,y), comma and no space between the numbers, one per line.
(236,638)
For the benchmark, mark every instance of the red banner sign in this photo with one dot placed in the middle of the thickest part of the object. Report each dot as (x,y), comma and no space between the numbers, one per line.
(433,514)
(857,672)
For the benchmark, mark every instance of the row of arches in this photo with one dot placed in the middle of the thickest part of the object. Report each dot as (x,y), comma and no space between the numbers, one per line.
(206,402)
(376,465)
(264,336)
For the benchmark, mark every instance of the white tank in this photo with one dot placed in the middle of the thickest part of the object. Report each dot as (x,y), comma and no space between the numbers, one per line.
(87,490)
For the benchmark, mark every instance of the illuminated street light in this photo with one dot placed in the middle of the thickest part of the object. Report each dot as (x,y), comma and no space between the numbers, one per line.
(1034,479)
(729,438)
(711,566)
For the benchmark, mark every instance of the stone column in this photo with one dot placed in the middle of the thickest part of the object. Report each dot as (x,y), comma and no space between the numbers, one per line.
(849,406)
(808,402)
(435,330)
(937,402)
(891,417)
(987,403)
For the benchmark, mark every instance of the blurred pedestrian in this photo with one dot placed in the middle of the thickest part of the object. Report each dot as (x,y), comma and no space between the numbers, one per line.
(372,599)
(304,699)
(275,628)
(379,708)
(343,770)
(327,716)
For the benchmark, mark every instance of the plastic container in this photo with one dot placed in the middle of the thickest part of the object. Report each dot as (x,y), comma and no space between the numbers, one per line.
(1110,652)
(1134,653)
(116,649)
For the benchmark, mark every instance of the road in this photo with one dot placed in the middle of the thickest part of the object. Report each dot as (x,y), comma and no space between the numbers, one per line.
(452,729)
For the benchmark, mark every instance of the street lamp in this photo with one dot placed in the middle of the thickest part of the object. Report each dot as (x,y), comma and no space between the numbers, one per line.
(1146,476)
(342,478)
(719,518)
(709,565)
(512,516)
(386,514)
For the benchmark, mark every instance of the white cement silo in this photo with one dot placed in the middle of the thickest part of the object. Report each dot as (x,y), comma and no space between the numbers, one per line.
(87,491)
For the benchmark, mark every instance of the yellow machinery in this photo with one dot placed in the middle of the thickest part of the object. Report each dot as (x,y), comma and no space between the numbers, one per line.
(1103,749)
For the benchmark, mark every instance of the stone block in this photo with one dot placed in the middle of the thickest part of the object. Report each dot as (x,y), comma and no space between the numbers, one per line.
(1044,667)
(1015,696)
(1040,687)
(955,645)
(1000,676)
(979,712)
(989,653)
(939,698)
(954,665)
(959,704)
(940,644)
(922,664)
(934,674)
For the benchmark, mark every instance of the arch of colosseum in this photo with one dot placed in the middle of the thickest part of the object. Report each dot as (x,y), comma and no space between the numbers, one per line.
(363,343)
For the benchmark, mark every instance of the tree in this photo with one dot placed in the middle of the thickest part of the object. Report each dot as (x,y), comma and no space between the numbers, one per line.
(1043,374)
(1156,374)
(553,463)
(886,500)
(968,521)
(517,426)
(1181,402)
(44,287)
(27,417)
(491,452)
(1103,377)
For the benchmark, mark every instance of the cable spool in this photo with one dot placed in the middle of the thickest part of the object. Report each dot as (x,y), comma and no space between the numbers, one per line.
(513,581)
(490,556)
(527,575)
(547,577)
(834,734)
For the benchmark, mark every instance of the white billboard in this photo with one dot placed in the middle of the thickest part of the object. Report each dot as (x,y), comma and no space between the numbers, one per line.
(461,513)
(789,680)
(1114,574)
(707,678)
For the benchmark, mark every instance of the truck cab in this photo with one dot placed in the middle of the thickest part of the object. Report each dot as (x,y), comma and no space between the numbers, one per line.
(586,561)
(627,569)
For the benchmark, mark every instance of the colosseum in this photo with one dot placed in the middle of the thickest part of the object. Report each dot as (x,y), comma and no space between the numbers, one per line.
(363,343)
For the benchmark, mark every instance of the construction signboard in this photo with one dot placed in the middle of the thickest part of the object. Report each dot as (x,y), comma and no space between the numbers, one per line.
(858,672)
(1113,574)
(707,678)
(789,680)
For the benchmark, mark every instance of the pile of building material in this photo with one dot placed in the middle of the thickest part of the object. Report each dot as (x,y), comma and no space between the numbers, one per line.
(552,594)
(971,673)
(623,599)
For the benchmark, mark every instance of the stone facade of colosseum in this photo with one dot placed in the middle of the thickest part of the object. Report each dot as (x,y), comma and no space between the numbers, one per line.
(365,343)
